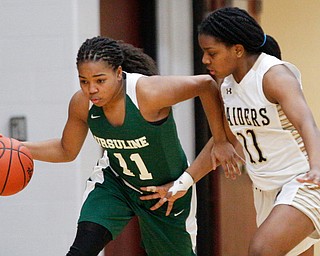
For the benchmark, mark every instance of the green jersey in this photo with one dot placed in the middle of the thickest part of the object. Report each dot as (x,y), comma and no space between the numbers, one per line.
(140,152)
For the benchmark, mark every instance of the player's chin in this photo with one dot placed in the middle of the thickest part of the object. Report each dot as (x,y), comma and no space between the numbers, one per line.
(216,76)
(213,76)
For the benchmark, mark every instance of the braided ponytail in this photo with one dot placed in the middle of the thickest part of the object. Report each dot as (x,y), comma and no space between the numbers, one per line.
(136,61)
(232,25)
(272,47)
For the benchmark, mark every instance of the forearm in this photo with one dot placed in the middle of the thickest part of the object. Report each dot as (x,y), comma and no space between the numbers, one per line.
(312,143)
(202,165)
(198,169)
(212,105)
(49,151)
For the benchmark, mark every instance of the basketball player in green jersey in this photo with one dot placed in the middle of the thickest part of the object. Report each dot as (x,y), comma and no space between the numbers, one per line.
(131,119)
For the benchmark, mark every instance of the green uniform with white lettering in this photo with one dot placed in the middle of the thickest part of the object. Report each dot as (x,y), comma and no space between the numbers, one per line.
(139,154)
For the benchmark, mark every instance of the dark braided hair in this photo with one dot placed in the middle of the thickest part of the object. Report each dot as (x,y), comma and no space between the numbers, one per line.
(101,49)
(232,25)
(116,53)
(272,47)
(136,61)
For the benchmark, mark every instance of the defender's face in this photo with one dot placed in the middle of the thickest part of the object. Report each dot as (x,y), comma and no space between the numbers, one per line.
(219,59)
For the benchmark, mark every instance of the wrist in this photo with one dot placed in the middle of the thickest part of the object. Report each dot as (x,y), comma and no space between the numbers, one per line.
(183,183)
(221,140)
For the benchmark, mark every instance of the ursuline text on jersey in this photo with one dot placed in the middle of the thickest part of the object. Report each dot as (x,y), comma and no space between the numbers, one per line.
(122,144)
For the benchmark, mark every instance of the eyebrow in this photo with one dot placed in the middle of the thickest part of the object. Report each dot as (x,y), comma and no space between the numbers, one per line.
(208,48)
(97,75)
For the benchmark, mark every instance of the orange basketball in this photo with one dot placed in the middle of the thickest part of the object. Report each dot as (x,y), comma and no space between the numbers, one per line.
(16,166)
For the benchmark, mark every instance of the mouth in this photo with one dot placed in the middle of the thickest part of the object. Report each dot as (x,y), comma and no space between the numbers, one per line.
(94,100)
(211,71)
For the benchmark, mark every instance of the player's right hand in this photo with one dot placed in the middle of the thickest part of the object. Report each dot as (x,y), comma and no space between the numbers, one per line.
(163,193)
(313,177)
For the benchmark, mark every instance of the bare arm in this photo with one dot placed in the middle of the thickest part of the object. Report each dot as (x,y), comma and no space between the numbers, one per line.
(167,91)
(200,167)
(294,105)
(67,147)
(157,94)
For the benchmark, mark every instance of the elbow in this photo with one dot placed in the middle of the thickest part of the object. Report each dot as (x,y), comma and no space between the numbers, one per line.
(209,86)
(70,157)
(211,82)
(68,153)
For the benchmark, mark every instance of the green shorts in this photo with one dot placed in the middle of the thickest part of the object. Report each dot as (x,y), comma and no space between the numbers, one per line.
(112,204)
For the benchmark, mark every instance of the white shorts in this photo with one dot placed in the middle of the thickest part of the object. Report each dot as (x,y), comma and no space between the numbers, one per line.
(305,197)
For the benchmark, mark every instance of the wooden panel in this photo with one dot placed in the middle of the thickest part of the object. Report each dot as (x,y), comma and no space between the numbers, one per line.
(254,8)
(119,19)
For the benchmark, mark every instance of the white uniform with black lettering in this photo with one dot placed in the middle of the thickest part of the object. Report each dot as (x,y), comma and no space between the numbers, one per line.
(274,150)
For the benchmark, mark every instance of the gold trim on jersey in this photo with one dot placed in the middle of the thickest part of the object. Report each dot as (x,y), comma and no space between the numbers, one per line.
(288,126)
(307,200)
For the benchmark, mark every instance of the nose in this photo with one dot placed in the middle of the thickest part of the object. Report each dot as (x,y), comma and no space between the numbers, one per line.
(205,59)
(93,88)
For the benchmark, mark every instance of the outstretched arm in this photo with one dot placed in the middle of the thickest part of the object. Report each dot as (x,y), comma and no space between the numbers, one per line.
(200,167)
(67,147)
(224,153)
(174,190)
(156,95)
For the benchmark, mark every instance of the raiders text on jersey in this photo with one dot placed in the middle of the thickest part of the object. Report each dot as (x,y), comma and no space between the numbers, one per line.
(246,116)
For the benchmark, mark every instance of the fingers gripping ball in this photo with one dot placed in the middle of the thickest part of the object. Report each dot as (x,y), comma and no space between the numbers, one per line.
(16,166)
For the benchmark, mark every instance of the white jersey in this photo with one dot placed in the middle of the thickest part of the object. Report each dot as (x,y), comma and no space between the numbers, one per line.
(273,148)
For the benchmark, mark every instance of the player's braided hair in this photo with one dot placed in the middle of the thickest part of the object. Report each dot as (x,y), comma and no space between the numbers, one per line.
(115,54)
(136,61)
(232,25)
(101,49)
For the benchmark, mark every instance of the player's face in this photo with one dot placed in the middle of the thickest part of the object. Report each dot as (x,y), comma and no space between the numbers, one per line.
(100,82)
(219,59)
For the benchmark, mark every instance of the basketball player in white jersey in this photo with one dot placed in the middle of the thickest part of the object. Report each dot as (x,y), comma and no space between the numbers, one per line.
(267,114)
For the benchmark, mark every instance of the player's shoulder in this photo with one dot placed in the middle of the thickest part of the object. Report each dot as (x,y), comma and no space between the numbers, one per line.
(265,62)
(79,104)
(79,97)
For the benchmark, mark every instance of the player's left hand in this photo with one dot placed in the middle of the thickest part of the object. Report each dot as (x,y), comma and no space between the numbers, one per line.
(225,154)
(163,193)
(313,176)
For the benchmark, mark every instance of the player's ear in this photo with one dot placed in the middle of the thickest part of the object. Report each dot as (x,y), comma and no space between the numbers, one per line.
(239,50)
(119,73)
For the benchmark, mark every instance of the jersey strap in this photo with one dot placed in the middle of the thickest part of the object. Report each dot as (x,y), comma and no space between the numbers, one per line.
(131,82)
